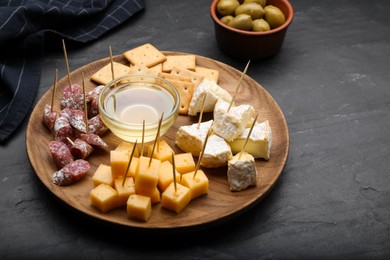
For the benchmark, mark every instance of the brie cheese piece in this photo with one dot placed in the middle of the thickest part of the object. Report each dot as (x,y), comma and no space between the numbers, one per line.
(212,91)
(217,152)
(230,125)
(259,143)
(242,172)
(190,138)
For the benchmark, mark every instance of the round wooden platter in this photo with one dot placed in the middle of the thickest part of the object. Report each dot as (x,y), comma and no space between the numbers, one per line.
(218,206)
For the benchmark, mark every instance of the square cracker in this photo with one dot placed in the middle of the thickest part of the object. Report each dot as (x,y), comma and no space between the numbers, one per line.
(183,61)
(169,77)
(141,69)
(195,77)
(146,55)
(186,90)
(104,75)
(210,74)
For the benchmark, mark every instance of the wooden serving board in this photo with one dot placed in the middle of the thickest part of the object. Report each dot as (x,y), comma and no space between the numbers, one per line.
(219,205)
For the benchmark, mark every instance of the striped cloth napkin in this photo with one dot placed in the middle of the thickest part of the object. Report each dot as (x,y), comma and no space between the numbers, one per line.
(23,26)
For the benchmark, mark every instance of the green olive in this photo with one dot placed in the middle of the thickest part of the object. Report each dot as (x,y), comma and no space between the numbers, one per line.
(274,16)
(252,9)
(227,7)
(260,25)
(263,3)
(226,19)
(241,22)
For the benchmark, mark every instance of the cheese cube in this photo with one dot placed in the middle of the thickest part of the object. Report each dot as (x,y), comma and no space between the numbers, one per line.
(190,138)
(165,176)
(230,125)
(104,198)
(162,151)
(242,172)
(125,190)
(184,162)
(217,152)
(119,161)
(147,175)
(127,147)
(139,208)
(154,195)
(102,175)
(175,200)
(199,185)
(259,142)
(212,91)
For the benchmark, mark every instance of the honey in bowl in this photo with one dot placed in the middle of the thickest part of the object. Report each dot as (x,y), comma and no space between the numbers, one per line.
(126,101)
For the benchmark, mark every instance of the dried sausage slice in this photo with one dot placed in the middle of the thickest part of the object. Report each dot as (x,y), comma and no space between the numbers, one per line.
(60,153)
(94,140)
(77,120)
(80,149)
(71,173)
(72,97)
(96,126)
(49,117)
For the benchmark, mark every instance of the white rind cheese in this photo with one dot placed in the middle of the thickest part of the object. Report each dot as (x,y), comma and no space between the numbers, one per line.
(259,143)
(217,152)
(213,92)
(190,138)
(230,125)
(242,172)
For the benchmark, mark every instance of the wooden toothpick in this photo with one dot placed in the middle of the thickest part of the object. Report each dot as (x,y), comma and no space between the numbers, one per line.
(70,140)
(67,63)
(201,110)
(156,139)
(201,153)
(143,137)
(112,64)
(247,138)
(85,105)
(128,165)
(54,90)
(174,171)
(238,85)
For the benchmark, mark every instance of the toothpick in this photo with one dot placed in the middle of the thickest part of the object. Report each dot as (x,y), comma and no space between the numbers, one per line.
(85,105)
(143,137)
(158,136)
(67,63)
(112,64)
(128,165)
(238,85)
(174,171)
(247,138)
(156,139)
(70,141)
(54,90)
(201,110)
(202,152)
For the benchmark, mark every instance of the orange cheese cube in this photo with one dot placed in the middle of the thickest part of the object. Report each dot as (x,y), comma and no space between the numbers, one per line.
(165,176)
(184,162)
(104,197)
(127,147)
(154,195)
(102,175)
(199,185)
(125,190)
(139,207)
(147,175)
(162,151)
(175,200)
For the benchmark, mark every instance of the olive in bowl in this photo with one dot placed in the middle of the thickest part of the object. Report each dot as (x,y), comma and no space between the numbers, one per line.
(250,32)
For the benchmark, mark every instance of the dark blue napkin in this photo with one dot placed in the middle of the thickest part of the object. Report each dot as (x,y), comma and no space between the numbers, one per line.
(23,26)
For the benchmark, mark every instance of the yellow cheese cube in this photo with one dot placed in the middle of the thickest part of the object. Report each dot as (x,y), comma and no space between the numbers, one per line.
(175,200)
(102,175)
(119,161)
(162,151)
(127,147)
(184,162)
(147,175)
(125,190)
(104,197)
(154,195)
(165,176)
(139,207)
(199,185)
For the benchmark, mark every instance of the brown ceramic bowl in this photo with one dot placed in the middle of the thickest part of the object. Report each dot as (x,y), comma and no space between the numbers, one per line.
(249,44)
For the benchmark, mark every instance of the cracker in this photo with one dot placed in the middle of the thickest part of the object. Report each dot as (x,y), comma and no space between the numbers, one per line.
(186,90)
(104,75)
(169,77)
(140,69)
(210,74)
(195,77)
(182,61)
(156,68)
(146,55)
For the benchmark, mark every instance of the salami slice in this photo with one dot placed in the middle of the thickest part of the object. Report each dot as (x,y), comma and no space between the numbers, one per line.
(49,117)
(92,99)
(66,112)
(96,126)
(77,120)
(94,140)
(61,153)
(72,97)
(80,149)
(71,173)
(62,130)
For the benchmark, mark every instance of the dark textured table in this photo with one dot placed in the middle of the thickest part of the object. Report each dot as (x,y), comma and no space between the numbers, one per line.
(331,79)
